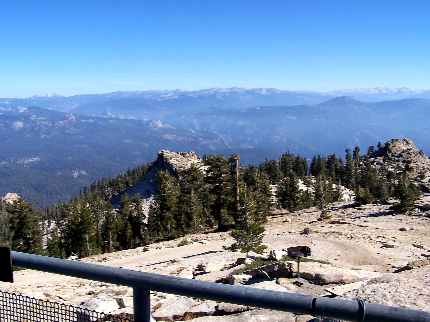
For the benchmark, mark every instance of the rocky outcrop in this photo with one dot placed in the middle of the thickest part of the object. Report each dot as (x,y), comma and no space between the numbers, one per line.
(177,161)
(399,155)
(172,162)
(322,274)
(307,186)
(346,194)
(11,197)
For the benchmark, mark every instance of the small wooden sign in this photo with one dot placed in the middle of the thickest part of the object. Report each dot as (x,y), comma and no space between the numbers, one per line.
(6,273)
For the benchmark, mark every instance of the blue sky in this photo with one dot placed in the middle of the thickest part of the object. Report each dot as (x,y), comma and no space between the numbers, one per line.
(69,47)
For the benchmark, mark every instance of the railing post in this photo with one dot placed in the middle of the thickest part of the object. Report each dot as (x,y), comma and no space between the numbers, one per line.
(6,273)
(141,304)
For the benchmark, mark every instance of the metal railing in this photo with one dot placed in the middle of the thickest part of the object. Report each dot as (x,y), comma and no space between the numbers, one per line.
(142,283)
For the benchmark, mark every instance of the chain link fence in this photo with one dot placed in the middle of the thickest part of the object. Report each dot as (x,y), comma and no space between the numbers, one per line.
(20,308)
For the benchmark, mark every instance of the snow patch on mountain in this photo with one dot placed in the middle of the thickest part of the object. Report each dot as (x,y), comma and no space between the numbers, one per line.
(18,125)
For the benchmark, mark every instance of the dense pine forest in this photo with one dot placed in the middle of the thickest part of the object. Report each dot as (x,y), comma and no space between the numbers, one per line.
(220,196)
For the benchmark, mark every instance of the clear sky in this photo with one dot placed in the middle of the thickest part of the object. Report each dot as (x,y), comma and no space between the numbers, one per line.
(87,46)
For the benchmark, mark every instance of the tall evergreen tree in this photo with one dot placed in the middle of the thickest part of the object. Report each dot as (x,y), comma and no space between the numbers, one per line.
(287,164)
(220,192)
(271,169)
(6,234)
(263,197)
(24,227)
(320,193)
(249,232)
(300,167)
(407,193)
(289,194)
(163,214)
(348,178)
(356,166)
(80,231)
(134,227)
(190,206)
(318,166)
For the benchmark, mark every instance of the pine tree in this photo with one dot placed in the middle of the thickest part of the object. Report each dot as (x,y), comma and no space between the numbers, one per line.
(220,197)
(134,232)
(407,193)
(318,166)
(271,168)
(163,213)
(356,166)
(332,193)
(99,209)
(263,197)
(348,178)
(382,190)
(123,229)
(6,234)
(300,167)
(364,196)
(331,166)
(25,227)
(249,176)
(249,232)
(287,164)
(289,194)
(109,232)
(235,180)
(371,151)
(80,231)
(190,207)
(320,194)
(55,247)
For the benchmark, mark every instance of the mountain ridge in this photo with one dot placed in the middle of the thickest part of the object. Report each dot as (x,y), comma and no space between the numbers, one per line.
(41,143)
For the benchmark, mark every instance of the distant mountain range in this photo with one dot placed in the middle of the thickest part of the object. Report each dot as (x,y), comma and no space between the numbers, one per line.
(382,93)
(53,146)
(206,98)
(48,156)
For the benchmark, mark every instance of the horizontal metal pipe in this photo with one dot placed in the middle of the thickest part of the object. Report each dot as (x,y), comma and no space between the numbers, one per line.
(296,303)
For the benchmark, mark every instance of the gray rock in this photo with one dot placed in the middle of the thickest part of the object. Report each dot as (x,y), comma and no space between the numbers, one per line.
(256,316)
(239,279)
(229,308)
(105,305)
(203,309)
(286,283)
(254,255)
(336,278)
(277,254)
(413,265)
(269,286)
(173,308)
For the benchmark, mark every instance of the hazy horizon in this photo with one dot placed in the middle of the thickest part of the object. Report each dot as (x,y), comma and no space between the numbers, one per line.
(103,46)
(376,89)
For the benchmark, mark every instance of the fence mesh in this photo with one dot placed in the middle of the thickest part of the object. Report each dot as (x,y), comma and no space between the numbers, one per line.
(21,308)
